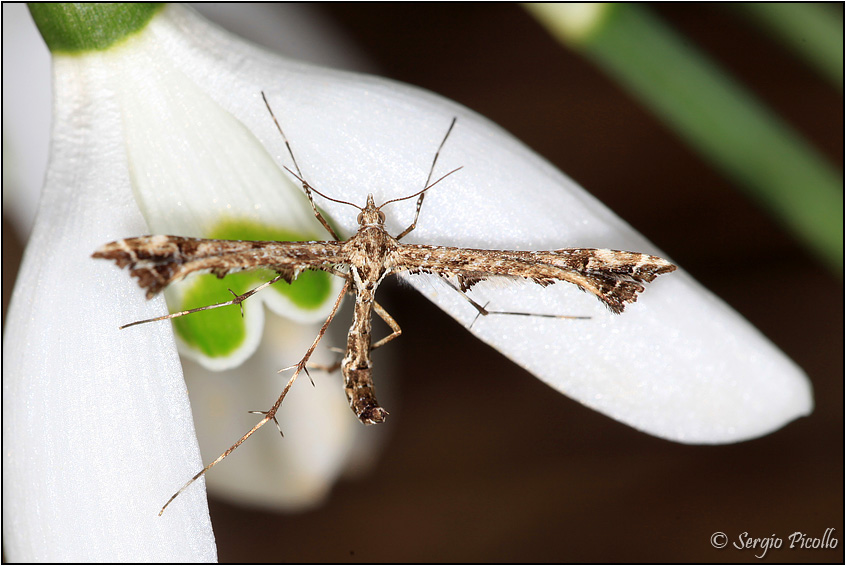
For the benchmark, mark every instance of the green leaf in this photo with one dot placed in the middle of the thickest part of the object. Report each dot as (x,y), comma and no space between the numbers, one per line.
(813,30)
(81,27)
(725,123)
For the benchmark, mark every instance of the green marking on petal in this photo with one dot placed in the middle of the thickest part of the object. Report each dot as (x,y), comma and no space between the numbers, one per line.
(244,229)
(219,332)
(216,332)
(80,27)
(311,288)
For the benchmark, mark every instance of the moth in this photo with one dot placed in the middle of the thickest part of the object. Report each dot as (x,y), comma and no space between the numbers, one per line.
(363,261)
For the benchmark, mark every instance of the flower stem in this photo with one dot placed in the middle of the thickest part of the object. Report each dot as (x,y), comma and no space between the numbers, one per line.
(715,115)
(813,30)
(79,27)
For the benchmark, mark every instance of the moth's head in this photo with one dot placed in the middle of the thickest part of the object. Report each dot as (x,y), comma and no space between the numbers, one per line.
(371,215)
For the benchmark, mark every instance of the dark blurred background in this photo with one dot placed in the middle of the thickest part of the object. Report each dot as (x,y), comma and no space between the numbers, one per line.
(485,463)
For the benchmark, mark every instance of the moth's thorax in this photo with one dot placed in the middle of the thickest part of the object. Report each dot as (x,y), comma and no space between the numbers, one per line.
(372,252)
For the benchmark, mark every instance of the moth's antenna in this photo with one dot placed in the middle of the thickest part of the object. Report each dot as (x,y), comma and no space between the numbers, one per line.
(440,147)
(427,185)
(310,188)
(299,174)
(421,192)
(284,137)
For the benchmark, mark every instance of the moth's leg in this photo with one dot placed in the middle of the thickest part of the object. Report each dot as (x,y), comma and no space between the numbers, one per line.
(416,215)
(327,368)
(304,361)
(271,414)
(306,187)
(474,304)
(330,368)
(236,301)
(428,180)
(483,311)
(389,320)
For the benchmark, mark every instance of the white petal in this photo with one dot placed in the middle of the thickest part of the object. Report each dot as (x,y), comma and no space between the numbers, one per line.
(96,425)
(678,364)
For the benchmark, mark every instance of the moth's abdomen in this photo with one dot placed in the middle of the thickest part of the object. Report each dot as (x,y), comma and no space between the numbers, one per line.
(358,385)
(356,365)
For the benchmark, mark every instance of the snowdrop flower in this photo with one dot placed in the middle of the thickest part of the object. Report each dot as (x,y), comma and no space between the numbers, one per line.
(138,148)
(164,132)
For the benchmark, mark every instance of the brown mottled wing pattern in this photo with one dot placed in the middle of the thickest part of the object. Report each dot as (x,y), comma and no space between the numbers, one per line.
(158,261)
(614,277)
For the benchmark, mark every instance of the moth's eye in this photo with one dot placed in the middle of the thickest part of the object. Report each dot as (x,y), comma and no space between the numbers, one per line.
(381,217)
(360,217)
